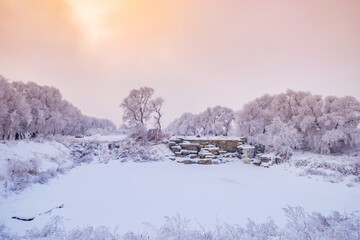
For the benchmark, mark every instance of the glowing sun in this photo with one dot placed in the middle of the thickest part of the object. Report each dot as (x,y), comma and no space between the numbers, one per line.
(92,15)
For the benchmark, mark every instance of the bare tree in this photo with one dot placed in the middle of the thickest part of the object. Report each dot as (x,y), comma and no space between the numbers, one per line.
(137,107)
(156,105)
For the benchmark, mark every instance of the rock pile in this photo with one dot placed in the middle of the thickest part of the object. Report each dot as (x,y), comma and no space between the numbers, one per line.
(213,150)
(206,150)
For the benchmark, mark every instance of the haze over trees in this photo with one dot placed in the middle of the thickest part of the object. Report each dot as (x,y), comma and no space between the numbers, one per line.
(27,108)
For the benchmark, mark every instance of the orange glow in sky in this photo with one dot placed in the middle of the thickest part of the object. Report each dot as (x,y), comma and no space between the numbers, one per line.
(195,54)
(92,15)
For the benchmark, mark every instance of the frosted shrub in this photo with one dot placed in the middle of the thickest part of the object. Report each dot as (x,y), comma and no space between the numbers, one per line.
(133,236)
(261,231)
(53,230)
(139,133)
(177,228)
(90,233)
(138,151)
(21,173)
(300,226)
(331,170)
(4,233)
(154,135)
(85,152)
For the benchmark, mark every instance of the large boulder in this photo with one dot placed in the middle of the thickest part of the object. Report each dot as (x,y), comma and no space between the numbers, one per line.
(176,140)
(205,161)
(176,148)
(192,156)
(184,152)
(190,146)
(186,162)
(204,153)
(257,162)
(264,159)
(247,151)
(171,144)
(211,148)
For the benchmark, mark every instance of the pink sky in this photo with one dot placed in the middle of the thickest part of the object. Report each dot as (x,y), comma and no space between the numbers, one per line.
(195,54)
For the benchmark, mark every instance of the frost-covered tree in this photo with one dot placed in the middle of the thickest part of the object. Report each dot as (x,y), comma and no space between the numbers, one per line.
(213,121)
(204,122)
(338,124)
(223,117)
(287,105)
(184,125)
(33,109)
(252,120)
(156,105)
(325,125)
(137,106)
(282,137)
(14,111)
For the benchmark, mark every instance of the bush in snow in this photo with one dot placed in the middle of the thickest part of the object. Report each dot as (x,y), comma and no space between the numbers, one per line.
(156,136)
(138,133)
(54,229)
(300,226)
(176,228)
(330,170)
(5,234)
(22,173)
(139,151)
(85,152)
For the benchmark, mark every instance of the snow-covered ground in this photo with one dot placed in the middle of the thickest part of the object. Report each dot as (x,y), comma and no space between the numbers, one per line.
(127,194)
(96,137)
(50,153)
(25,162)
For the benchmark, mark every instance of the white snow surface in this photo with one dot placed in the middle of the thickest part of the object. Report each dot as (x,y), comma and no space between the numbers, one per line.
(96,137)
(189,138)
(50,154)
(128,194)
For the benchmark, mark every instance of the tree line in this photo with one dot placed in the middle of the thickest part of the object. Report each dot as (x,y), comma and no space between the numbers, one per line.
(213,121)
(294,119)
(27,109)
